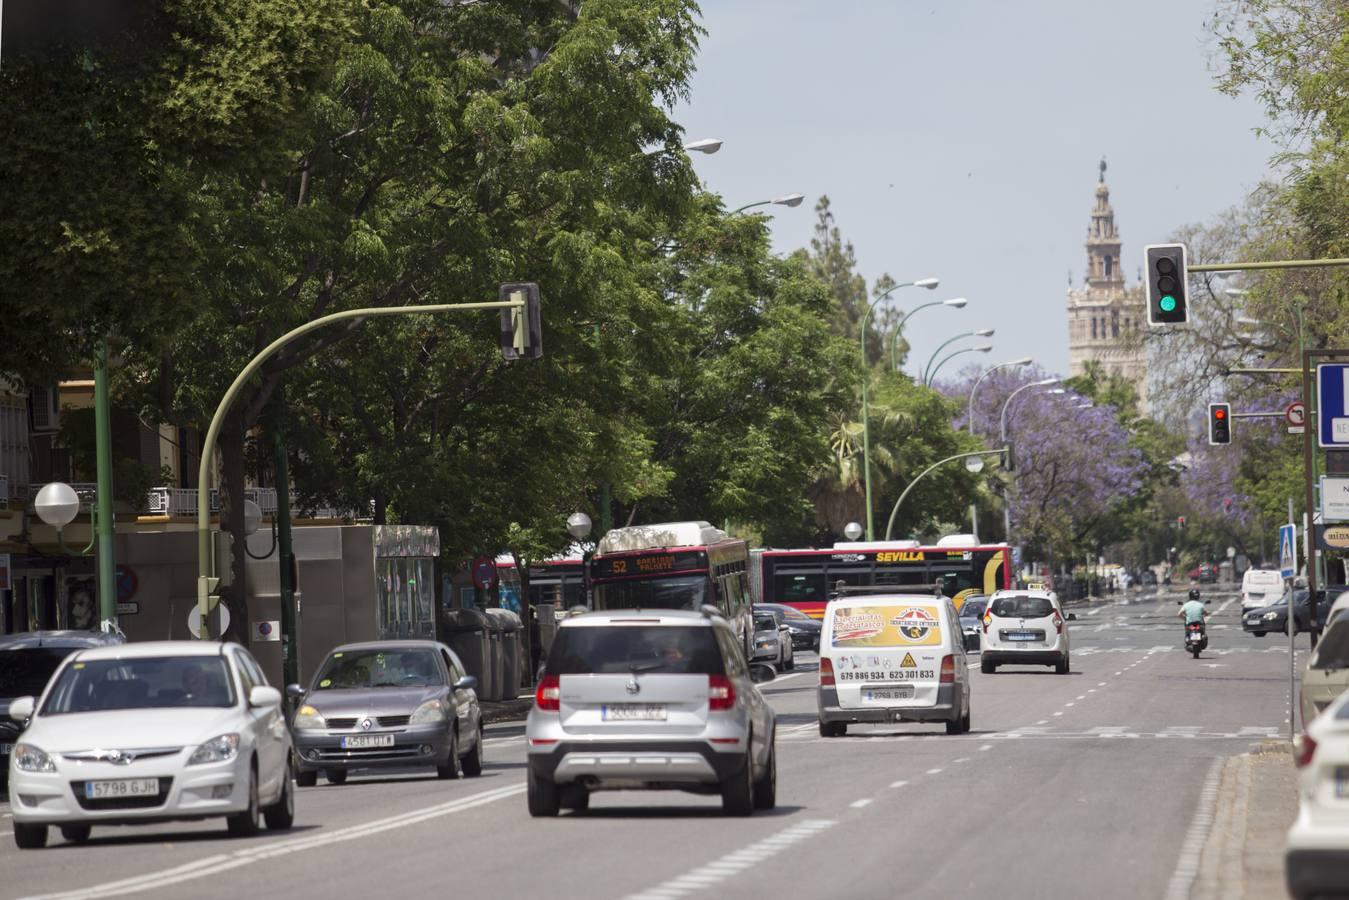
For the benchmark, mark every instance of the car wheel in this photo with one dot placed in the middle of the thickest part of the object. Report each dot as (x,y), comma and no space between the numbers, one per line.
(451,768)
(76,834)
(245,824)
(737,792)
(281,814)
(1062,666)
(791,658)
(30,837)
(766,788)
(988,667)
(965,722)
(574,797)
(953,724)
(473,762)
(335,776)
(1258,633)
(833,729)
(541,795)
(306,778)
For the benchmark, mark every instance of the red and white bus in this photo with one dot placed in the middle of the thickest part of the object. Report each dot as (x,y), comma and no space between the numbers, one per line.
(805,579)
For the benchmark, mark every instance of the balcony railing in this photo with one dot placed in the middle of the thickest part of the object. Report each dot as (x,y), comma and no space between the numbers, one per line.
(182,502)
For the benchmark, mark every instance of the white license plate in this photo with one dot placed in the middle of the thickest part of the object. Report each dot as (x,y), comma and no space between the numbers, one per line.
(1021,636)
(6,749)
(131,787)
(630,712)
(904,692)
(1341,782)
(365,741)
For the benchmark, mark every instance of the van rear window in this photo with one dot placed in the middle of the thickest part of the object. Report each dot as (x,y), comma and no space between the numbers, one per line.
(610,649)
(1022,607)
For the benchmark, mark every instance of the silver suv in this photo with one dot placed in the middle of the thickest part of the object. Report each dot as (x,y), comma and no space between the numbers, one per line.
(650,700)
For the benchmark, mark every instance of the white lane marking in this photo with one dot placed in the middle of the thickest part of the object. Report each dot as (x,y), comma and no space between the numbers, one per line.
(214,865)
(1081,696)
(1223,608)
(1100,684)
(1187,867)
(1042,722)
(781,678)
(807,727)
(1119,673)
(986,747)
(731,864)
(1091,690)
(934,771)
(1067,704)
(898,784)
(858,804)
(962,759)
(1058,713)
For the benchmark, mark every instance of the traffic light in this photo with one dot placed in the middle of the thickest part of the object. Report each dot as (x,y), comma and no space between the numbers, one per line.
(1220,423)
(1180,521)
(521,327)
(1166,283)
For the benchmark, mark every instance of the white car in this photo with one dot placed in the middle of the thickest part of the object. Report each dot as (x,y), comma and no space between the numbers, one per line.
(1318,843)
(152,731)
(1260,587)
(1025,628)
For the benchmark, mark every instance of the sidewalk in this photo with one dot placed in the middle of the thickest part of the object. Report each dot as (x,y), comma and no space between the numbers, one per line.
(1257,802)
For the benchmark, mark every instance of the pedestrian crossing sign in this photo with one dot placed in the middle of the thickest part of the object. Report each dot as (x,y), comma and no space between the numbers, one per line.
(1287,550)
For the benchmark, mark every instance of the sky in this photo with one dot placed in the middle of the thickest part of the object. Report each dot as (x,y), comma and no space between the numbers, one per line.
(961,138)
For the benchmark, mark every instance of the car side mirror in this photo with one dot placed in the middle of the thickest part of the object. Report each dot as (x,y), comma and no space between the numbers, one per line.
(1180,602)
(760,673)
(21,709)
(1208,602)
(264,696)
(467,683)
(295,691)
(1072,617)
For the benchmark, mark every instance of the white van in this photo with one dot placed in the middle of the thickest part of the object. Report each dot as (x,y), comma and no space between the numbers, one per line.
(1260,587)
(892,658)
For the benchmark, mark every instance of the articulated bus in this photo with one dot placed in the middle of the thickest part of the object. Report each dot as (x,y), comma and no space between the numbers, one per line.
(676,565)
(806,578)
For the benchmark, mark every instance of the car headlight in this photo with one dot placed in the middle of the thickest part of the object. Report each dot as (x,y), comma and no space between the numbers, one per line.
(1271,616)
(428,713)
(28,758)
(308,717)
(220,748)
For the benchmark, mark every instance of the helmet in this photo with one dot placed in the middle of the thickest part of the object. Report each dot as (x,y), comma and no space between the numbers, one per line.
(1194,593)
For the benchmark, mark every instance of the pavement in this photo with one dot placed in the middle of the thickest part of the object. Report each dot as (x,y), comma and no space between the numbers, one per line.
(1115,781)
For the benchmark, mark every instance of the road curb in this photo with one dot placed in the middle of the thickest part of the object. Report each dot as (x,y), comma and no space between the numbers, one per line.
(1256,802)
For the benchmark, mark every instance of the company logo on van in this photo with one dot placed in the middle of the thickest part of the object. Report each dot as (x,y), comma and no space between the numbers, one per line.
(857,626)
(914,623)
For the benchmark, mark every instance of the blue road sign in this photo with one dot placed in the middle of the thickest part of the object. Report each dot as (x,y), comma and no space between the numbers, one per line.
(1332,404)
(1287,550)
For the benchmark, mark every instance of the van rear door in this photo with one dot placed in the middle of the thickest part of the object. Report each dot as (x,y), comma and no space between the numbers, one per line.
(888,653)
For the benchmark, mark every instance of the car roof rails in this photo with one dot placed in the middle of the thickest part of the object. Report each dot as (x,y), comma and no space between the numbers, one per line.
(842,588)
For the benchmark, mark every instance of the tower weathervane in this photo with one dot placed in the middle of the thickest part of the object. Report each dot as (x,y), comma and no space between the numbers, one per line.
(1102,169)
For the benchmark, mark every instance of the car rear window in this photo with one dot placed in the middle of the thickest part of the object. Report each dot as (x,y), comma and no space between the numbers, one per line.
(606,649)
(1332,651)
(26,672)
(974,608)
(1022,607)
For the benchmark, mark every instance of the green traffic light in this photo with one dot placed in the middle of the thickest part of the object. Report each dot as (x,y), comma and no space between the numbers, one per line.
(1167,303)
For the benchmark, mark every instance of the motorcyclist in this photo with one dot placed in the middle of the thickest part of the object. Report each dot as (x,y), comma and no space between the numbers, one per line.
(1193,610)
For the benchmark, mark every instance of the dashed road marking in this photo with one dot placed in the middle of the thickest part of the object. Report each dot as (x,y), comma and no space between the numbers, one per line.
(898,784)
(985,747)
(1187,867)
(961,760)
(732,864)
(934,771)
(858,804)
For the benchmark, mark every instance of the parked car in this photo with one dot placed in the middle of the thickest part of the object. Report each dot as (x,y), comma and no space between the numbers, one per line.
(1274,617)
(971,619)
(388,703)
(805,631)
(1327,672)
(772,639)
(1260,587)
(1317,855)
(1025,628)
(27,662)
(1204,573)
(148,732)
(1147,578)
(655,700)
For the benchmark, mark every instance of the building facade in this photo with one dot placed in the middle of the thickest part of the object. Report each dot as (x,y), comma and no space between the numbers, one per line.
(1106,317)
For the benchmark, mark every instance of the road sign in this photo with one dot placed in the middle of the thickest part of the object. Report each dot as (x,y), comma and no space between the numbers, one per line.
(1287,550)
(484,573)
(128,608)
(1296,417)
(267,631)
(1334,499)
(1332,404)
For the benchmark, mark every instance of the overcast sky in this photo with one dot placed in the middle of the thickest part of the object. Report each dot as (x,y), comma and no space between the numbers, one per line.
(961,140)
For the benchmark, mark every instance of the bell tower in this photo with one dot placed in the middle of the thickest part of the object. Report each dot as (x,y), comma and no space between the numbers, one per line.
(1103,244)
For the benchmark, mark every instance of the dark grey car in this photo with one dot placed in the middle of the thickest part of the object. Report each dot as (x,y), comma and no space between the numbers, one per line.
(27,662)
(388,704)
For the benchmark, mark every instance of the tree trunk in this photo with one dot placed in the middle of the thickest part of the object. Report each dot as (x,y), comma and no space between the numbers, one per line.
(235,595)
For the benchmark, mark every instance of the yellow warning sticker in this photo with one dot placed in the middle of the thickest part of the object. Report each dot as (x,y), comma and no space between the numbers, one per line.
(908,662)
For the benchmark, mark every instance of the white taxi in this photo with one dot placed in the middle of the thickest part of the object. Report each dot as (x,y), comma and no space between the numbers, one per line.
(1025,627)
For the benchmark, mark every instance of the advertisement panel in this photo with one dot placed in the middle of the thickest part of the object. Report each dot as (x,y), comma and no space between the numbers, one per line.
(910,625)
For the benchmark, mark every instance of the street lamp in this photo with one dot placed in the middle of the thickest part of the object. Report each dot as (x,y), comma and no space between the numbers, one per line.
(57,504)
(852,531)
(928,283)
(578,525)
(982,332)
(969,419)
(982,348)
(1002,436)
(784,200)
(955,303)
(706,145)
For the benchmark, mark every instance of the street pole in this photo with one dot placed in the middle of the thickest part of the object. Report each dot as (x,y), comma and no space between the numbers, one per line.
(890,526)
(1292,666)
(107,562)
(204,579)
(290,639)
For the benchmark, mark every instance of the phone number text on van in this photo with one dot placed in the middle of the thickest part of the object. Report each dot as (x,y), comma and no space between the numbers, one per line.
(899,675)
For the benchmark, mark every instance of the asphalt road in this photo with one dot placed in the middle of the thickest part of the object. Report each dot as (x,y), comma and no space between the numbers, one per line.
(1091,783)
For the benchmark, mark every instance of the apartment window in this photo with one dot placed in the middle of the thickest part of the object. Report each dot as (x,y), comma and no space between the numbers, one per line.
(14,454)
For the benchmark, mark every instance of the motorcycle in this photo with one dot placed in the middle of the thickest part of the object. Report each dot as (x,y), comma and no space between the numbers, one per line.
(1196,638)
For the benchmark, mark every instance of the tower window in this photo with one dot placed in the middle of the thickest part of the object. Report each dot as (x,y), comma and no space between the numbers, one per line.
(1109,266)
(1093,328)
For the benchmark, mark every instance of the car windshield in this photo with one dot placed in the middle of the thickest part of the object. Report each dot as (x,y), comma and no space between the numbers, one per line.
(1022,607)
(683,592)
(1332,651)
(973,608)
(378,668)
(601,649)
(25,672)
(765,623)
(156,682)
(1301,598)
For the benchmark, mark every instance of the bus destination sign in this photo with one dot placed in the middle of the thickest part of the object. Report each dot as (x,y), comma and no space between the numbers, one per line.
(655,563)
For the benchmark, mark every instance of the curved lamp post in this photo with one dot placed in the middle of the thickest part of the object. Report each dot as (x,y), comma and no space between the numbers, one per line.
(706,145)
(889,526)
(982,332)
(955,303)
(930,284)
(784,200)
(1002,435)
(983,348)
(969,419)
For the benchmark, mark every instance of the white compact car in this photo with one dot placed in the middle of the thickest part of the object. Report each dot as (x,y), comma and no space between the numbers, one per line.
(151,732)
(1260,587)
(1025,628)
(1318,843)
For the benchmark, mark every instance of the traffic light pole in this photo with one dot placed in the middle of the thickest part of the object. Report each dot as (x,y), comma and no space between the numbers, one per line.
(204,583)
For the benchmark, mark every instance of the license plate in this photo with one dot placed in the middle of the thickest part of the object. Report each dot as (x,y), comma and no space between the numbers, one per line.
(365,741)
(633,712)
(132,787)
(1021,636)
(905,692)
(6,749)
(1341,782)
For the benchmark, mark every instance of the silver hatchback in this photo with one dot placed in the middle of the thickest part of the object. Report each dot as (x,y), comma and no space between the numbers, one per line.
(654,700)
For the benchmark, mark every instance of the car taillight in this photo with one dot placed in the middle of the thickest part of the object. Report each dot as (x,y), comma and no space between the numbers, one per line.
(1304,748)
(1058,623)
(948,670)
(826,672)
(988,620)
(548,695)
(720,692)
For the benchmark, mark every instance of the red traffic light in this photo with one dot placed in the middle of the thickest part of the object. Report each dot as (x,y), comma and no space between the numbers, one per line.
(1220,413)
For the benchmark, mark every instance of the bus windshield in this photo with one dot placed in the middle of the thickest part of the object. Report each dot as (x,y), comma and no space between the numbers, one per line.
(683,592)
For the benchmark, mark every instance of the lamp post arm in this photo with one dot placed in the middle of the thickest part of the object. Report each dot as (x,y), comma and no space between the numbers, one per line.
(1002,427)
(889,527)
(940,347)
(931,379)
(894,337)
(741,209)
